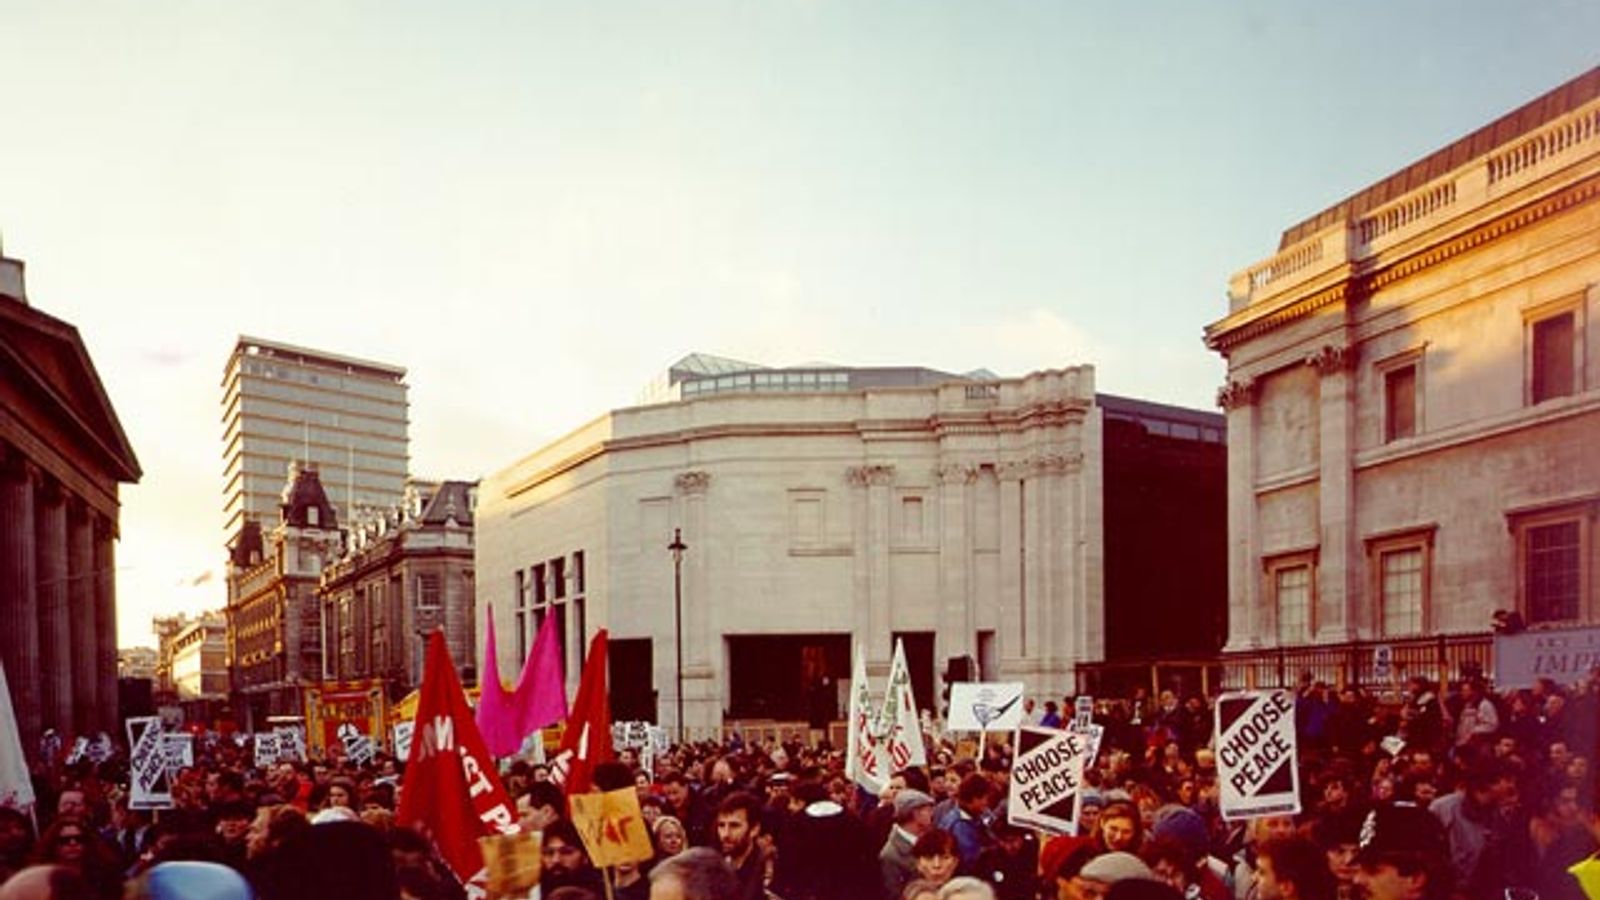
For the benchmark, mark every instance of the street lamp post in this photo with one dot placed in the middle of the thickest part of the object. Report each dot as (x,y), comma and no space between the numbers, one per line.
(677,547)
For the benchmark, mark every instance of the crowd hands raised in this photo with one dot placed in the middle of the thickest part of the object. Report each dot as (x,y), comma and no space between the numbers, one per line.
(1471,795)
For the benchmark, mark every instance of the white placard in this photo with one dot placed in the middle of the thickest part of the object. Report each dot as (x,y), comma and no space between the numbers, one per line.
(149,787)
(1257,766)
(266,750)
(1047,777)
(291,742)
(1382,663)
(179,750)
(401,734)
(1564,655)
(986,705)
(1083,711)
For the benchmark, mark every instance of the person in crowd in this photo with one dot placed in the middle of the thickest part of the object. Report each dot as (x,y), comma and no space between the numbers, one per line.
(71,842)
(1292,868)
(913,817)
(738,828)
(966,822)
(16,839)
(46,882)
(564,862)
(937,856)
(917,889)
(1100,873)
(1477,825)
(670,837)
(1121,828)
(1403,856)
(697,874)
(966,888)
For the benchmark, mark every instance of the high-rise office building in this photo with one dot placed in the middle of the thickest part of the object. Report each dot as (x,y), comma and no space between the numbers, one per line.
(343,416)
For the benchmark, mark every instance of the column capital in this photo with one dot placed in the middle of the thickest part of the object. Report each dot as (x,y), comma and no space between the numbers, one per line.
(956,473)
(695,482)
(1237,394)
(1330,359)
(1056,463)
(870,475)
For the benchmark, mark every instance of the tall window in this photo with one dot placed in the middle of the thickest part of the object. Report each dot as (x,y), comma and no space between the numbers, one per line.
(521,607)
(1292,588)
(1554,368)
(1555,557)
(1400,402)
(1401,596)
(428,593)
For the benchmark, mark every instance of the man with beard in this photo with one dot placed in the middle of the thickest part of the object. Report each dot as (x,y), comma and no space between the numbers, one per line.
(738,826)
(564,862)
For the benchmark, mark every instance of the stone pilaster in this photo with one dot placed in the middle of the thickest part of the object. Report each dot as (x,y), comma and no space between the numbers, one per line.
(1016,640)
(81,618)
(1238,399)
(19,602)
(109,717)
(957,635)
(55,635)
(871,562)
(1337,585)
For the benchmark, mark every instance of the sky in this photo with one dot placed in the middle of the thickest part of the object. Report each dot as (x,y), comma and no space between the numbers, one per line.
(536,205)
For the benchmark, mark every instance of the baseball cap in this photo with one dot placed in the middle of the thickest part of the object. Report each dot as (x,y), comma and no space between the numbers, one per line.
(1401,831)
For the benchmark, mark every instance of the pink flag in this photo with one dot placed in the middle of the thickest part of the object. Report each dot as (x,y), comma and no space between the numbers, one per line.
(541,696)
(496,715)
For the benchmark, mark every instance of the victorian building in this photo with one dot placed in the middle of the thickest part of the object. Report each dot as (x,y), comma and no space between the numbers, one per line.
(197,660)
(1413,403)
(274,617)
(826,510)
(63,457)
(406,571)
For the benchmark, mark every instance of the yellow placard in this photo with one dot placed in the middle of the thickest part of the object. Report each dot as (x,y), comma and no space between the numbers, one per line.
(512,861)
(611,826)
(1588,874)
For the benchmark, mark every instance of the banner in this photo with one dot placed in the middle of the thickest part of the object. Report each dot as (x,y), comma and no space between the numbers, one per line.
(149,787)
(863,764)
(451,787)
(612,827)
(1047,778)
(897,720)
(1564,655)
(16,786)
(331,705)
(985,705)
(586,742)
(1257,768)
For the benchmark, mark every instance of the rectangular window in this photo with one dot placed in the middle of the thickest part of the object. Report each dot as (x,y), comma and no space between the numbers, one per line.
(1401,574)
(540,586)
(1400,403)
(1292,587)
(577,572)
(1553,572)
(558,577)
(911,522)
(1553,368)
(428,594)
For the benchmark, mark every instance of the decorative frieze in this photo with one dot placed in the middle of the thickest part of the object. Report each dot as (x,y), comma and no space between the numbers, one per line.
(865,476)
(692,482)
(1056,463)
(1237,394)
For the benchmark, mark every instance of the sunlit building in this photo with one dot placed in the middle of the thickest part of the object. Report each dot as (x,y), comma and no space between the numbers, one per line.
(829,509)
(1413,405)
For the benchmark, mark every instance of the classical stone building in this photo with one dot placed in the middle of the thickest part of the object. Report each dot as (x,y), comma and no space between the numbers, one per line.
(63,456)
(274,616)
(198,654)
(824,509)
(405,571)
(1413,397)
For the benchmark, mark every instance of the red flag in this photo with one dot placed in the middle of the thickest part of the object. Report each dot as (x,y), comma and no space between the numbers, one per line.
(587,741)
(451,787)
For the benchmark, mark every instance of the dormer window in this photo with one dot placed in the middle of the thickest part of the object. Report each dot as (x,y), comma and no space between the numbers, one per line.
(312,514)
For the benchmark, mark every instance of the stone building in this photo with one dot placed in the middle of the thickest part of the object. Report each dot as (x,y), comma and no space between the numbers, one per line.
(824,509)
(1413,398)
(274,616)
(199,666)
(405,571)
(63,457)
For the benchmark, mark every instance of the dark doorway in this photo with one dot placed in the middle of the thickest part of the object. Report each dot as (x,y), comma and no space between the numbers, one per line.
(787,677)
(633,694)
(919,660)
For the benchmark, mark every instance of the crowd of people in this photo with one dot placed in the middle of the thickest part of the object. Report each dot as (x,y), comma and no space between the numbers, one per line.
(1460,794)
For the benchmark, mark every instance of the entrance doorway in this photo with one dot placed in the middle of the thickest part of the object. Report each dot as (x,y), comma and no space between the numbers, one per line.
(633,693)
(789,677)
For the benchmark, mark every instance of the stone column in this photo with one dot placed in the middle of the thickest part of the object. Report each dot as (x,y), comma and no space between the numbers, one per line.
(956,633)
(1238,398)
(19,602)
(109,716)
(1337,585)
(81,617)
(55,635)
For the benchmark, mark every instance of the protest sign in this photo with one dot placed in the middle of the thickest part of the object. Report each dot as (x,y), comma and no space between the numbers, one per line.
(1257,769)
(512,862)
(149,787)
(1092,735)
(1563,654)
(630,734)
(897,719)
(1083,711)
(401,735)
(863,761)
(179,750)
(266,750)
(1046,778)
(358,747)
(986,705)
(1383,663)
(611,826)
(291,742)
(79,751)
(16,786)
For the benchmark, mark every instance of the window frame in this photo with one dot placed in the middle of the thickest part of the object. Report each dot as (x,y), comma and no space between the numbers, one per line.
(1574,305)
(1419,538)
(1271,567)
(1382,369)
(1520,522)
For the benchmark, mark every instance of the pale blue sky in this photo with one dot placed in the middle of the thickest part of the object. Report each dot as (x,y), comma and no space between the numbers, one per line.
(535,206)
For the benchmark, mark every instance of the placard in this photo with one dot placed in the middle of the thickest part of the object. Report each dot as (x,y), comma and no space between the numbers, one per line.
(401,735)
(179,749)
(149,787)
(1562,654)
(986,705)
(291,743)
(1383,663)
(611,826)
(266,750)
(1083,711)
(1047,778)
(1257,766)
